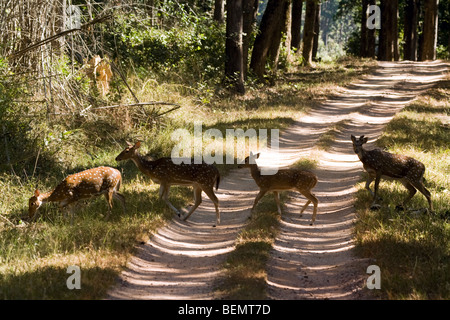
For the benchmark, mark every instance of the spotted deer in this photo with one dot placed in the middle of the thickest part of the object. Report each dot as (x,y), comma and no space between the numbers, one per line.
(285,179)
(380,163)
(81,185)
(202,177)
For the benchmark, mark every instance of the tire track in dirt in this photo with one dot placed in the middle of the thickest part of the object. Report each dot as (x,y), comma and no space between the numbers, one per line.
(183,259)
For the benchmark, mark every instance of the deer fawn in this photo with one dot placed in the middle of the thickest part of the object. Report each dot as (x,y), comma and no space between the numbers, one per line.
(202,177)
(81,185)
(283,180)
(379,163)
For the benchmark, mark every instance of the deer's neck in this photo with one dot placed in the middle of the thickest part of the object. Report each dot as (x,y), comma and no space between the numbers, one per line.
(256,173)
(46,197)
(361,154)
(141,163)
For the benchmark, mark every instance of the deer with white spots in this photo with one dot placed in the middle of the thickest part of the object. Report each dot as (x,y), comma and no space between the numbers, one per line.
(81,185)
(202,177)
(380,163)
(284,180)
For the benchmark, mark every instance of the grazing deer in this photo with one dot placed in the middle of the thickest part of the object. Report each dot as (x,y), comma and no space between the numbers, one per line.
(283,180)
(379,163)
(202,177)
(81,185)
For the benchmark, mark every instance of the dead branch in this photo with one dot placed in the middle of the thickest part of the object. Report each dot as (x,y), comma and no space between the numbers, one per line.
(59,35)
(177,106)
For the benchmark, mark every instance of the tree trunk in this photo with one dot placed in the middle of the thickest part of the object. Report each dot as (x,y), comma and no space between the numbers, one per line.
(296,24)
(219,11)
(250,8)
(367,44)
(288,30)
(363,47)
(234,63)
(410,22)
(371,38)
(268,36)
(316,32)
(430,27)
(308,31)
(274,49)
(388,44)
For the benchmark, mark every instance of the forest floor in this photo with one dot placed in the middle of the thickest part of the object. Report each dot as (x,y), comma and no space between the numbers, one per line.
(184,259)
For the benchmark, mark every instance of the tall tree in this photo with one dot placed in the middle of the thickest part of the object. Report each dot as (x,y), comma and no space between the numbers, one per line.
(296,23)
(219,11)
(269,36)
(316,31)
(430,28)
(308,31)
(234,63)
(367,45)
(411,16)
(388,42)
(250,9)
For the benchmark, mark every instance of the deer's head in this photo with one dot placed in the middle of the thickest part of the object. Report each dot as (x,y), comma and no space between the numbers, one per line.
(129,151)
(358,143)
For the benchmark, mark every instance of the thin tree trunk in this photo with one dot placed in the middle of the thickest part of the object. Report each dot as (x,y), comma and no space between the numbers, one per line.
(363,48)
(219,11)
(267,36)
(250,8)
(430,27)
(371,37)
(388,44)
(234,64)
(316,32)
(410,38)
(297,6)
(308,31)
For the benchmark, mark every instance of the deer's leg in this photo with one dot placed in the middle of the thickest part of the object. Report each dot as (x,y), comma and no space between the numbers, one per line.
(109,197)
(197,199)
(304,207)
(164,194)
(377,182)
(210,193)
(368,182)
(419,185)
(258,197)
(277,200)
(412,192)
(311,198)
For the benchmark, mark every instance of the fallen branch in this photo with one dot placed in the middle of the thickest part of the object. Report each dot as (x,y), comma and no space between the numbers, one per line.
(177,106)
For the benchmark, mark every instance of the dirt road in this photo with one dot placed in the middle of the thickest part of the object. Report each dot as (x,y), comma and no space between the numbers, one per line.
(183,259)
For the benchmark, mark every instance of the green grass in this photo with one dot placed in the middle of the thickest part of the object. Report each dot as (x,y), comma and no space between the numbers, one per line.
(34,257)
(412,248)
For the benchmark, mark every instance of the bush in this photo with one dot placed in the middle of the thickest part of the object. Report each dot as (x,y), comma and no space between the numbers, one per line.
(189,46)
(14,126)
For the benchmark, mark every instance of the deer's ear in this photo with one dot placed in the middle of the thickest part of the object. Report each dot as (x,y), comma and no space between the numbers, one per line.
(129,144)
(36,193)
(257,155)
(353,138)
(365,140)
(137,145)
